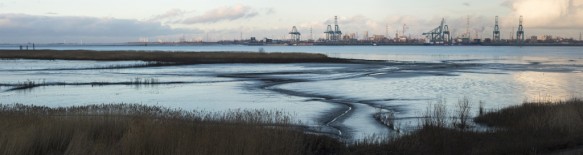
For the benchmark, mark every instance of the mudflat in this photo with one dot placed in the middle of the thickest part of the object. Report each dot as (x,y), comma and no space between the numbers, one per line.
(178,57)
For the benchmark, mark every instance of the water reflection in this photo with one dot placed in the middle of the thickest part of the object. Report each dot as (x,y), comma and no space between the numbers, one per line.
(549,85)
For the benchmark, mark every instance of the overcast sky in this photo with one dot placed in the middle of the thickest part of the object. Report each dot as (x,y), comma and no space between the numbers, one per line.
(106,21)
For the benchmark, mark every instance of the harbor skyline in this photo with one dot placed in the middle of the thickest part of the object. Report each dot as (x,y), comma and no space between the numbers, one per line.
(110,21)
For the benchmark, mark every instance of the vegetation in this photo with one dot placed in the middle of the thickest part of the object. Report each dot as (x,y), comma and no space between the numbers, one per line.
(136,129)
(174,57)
(386,118)
(118,66)
(531,128)
(29,84)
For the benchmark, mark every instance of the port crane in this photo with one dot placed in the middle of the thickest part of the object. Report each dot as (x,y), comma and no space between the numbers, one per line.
(496,33)
(333,34)
(520,32)
(439,35)
(295,34)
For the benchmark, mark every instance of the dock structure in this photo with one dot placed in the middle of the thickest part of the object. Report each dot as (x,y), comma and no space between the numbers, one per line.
(329,33)
(295,34)
(520,32)
(496,32)
(333,34)
(439,35)
(337,32)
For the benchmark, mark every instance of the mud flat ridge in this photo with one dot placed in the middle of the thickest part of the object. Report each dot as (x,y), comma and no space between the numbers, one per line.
(176,57)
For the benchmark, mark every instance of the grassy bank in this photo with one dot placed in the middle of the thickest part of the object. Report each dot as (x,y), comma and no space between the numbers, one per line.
(531,128)
(135,129)
(177,57)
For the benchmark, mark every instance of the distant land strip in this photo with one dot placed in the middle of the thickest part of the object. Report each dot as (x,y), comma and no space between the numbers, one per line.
(174,57)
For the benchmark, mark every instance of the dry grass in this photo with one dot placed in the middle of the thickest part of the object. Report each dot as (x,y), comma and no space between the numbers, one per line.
(560,115)
(177,57)
(436,115)
(387,119)
(531,128)
(462,114)
(136,129)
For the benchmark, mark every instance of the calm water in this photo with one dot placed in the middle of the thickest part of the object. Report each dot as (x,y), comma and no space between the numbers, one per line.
(334,97)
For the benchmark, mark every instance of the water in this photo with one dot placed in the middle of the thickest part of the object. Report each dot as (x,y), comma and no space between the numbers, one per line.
(340,98)
(402,53)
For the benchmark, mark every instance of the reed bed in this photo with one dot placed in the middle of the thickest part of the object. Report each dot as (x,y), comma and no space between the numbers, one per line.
(530,128)
(176,57)
(138,129)
(29,84)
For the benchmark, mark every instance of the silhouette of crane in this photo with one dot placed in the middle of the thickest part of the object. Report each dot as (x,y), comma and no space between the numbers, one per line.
(295,35)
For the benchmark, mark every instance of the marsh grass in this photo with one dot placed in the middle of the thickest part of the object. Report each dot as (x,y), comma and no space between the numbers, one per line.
(175,57)
(29,84)
(530,128)
(561,116)
(462,114)
(125,66)
(138,129)
(436,114)
(387,118)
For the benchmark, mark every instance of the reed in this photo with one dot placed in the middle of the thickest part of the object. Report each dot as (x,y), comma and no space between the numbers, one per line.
(174,57)
(138,129)
(387,119)
(29,84)
(530,128)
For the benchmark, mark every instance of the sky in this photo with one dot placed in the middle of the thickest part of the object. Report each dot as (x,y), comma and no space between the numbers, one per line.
(111,21)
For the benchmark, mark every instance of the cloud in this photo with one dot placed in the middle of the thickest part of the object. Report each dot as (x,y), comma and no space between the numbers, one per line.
(466,4)
(269,11)
(33,28)
(225,13)
(170,14)
(548,14)
(358,21)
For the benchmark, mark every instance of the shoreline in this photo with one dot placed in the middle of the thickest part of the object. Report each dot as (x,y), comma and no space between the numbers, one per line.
(366,43)
(173,57)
